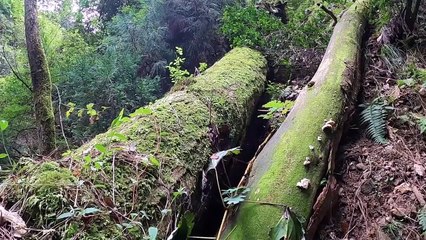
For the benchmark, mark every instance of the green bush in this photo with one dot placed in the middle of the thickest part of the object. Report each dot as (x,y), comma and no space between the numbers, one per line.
(248,26)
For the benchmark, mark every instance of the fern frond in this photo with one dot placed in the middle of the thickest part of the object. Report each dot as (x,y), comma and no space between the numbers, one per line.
(422,218)
(375,116)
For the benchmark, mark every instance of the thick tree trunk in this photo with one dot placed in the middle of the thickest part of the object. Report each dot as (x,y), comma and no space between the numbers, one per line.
(40,76)
(139,166)
(305,136)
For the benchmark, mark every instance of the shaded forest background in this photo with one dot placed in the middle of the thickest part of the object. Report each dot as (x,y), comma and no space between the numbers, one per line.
(106,55)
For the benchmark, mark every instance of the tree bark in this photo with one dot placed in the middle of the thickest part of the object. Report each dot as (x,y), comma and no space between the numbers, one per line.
(311,132)
(152,155)
(40,76)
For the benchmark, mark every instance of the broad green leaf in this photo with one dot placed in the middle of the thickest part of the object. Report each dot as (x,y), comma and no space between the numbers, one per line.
(117,121)
(288,228)
(274,104)
(141,112)
(98,165)
(234,196)
(153,232)
(87,159)
(3,125)
(118,136)
(80,113)
(185,226)
(65,215)
(3,155)
(89,211)
(92,112)
(101,148)
(90,106)
(217,157)
(154,161)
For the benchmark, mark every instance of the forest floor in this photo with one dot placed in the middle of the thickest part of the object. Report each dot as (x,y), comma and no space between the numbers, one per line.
(382,186)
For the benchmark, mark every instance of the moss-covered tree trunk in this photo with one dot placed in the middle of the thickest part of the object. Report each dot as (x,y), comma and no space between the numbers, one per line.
(305,143)
(146,168)
(40,76)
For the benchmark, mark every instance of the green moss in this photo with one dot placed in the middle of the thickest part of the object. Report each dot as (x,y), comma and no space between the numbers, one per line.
(43,187)
(276,182)
(178,134)
(232,87)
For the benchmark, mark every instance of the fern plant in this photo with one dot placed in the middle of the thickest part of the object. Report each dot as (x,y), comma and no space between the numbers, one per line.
(375,117)
(422,219)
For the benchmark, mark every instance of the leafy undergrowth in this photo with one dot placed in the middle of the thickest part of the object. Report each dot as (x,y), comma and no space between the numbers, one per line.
(382,194)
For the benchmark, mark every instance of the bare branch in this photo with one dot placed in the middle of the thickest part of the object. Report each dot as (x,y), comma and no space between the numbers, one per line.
(15,72)
(329,12)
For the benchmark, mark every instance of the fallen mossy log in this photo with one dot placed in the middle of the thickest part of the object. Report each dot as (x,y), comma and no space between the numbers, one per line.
(289,170)
(143,171)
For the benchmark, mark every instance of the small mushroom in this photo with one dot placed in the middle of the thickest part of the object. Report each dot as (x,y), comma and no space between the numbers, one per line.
(311,147)
(329,127)
(307,162)
(304,184)
(319,139)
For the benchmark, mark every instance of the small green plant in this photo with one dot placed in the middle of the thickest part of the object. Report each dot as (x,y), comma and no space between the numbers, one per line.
(77,213)
(393,229)
(177,73)
(274,90)
(202,67)
(3,126)
(421,121)
(89,110)
(234,196)
(289,227)
(374,116)
(276,107)
(248,26)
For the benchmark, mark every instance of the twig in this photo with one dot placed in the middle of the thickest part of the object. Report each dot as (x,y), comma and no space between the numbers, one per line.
(198,237)
(14,72)
(113,178)
(218,188)
(266,203)
(329,12)
(60,116)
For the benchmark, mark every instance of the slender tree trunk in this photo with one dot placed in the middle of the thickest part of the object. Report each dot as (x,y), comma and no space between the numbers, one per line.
(42,85)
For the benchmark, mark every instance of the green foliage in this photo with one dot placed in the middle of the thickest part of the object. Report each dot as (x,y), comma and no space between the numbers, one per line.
(78,213)
(177,74)
(393,229)
(235,196)
(383,12)
(185,226)
(153,232)
(375,117)
(202,67)
(289,227)
(421,121)
(3,126)
(273,107)
(248,26)
(412,75)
